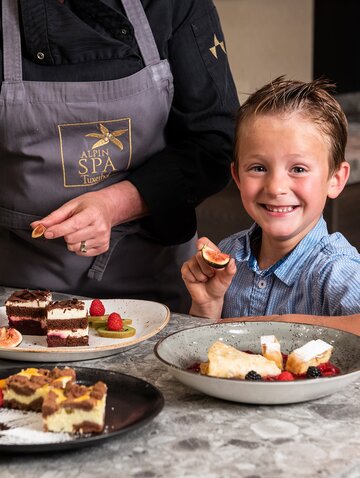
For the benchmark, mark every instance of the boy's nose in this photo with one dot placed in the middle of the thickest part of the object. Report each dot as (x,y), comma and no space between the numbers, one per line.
(276,184)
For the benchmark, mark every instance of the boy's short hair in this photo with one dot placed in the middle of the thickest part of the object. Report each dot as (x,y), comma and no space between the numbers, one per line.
(313,100)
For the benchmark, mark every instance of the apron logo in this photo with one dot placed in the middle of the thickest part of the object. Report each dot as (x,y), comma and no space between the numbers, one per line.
(106,136)
(216,44)
(85,162)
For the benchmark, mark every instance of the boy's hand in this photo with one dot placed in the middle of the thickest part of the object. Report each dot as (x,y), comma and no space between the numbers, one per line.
(206,285)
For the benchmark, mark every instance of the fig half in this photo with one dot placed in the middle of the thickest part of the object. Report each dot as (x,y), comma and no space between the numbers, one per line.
(215,259)
(9,337)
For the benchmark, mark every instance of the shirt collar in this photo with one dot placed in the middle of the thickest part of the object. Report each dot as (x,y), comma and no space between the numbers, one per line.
(288,268)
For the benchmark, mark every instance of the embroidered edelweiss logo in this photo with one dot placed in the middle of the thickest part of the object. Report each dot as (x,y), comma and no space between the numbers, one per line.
(216,44)
(106,137)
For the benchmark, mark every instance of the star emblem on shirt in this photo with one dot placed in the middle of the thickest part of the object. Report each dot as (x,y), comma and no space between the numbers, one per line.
(106,136)
(217,43)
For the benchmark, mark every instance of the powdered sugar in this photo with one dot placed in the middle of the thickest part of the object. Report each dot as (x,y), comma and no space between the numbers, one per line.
(312,349)
(26,428)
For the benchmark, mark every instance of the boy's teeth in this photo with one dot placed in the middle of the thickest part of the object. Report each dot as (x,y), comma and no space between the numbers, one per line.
(280,209)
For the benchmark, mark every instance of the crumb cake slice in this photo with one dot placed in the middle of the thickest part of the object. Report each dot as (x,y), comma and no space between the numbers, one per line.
(75,409)
(26,311)
(67,324)
(311,354)
(26,390)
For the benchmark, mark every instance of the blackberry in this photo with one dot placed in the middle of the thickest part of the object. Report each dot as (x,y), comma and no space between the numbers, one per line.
(252,375)
(313,372)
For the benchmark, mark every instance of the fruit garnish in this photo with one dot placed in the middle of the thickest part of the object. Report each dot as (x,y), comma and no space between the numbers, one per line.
(38,231)
(98,322)
(252,375)
(284,377)
(9,337)
(114,322)
(215,259)
(97,308)
(96,318)
(126,332)
(328,369)
(313,372)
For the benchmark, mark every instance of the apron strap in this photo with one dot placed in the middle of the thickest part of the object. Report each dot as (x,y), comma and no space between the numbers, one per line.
(11,41)
(143,34)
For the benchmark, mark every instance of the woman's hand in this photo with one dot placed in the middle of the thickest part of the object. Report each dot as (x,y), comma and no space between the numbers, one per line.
(88,219)
(206,285)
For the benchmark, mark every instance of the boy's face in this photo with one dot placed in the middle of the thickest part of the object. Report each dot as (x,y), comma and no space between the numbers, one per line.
(283,175)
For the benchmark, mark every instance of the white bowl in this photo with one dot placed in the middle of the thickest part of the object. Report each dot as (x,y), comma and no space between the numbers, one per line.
(182,349)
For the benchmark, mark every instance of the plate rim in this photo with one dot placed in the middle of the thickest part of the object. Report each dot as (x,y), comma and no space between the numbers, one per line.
(94,438)
(251,383)
(85,349)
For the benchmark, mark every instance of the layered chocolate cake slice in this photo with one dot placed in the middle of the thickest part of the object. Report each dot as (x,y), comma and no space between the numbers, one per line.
(26,390)
(26,311)
(67,324)
(75,409)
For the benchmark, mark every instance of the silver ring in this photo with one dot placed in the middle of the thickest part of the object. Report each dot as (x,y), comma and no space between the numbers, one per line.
(83,246)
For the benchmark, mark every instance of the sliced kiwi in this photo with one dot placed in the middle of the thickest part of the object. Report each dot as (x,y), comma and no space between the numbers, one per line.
(98,323)
(101,321)
(124,333)
(96,318)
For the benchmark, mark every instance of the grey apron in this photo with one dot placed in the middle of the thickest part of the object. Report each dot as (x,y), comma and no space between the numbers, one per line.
(60,140)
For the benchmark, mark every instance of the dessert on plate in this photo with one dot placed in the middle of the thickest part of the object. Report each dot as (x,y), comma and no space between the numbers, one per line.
(226,361)
(270,348)
(26,311)
(312,360)
(311,354)
(26,390)
(67,324)
(75,408)
(65,405)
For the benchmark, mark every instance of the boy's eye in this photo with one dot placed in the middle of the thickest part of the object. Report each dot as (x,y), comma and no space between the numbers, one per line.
(299,169)
(258,168)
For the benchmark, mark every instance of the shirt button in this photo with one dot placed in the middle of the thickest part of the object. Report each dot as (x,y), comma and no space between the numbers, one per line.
(262,284)
(40,55)
(124,31)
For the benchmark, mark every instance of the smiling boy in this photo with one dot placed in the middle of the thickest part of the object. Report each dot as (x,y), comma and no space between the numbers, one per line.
(289,158)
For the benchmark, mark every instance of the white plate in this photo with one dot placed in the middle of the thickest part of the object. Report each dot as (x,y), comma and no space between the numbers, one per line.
(180,350)
(148,318)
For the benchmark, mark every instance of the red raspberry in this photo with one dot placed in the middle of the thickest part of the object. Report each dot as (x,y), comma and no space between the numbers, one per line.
(97,308)
(1,398)
(285,376)
(328,369)
(114,322)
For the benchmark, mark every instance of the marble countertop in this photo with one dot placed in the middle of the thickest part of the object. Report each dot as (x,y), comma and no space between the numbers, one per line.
(203,437)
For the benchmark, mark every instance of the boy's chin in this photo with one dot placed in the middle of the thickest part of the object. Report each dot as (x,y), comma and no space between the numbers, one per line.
(282,235)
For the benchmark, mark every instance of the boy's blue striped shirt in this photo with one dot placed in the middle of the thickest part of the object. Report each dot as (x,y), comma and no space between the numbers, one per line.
(321,276)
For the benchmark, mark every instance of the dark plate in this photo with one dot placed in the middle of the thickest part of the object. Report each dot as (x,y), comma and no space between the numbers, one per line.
(131,403)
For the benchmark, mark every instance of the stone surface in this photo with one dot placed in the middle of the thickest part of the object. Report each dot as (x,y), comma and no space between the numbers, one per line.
(203,437)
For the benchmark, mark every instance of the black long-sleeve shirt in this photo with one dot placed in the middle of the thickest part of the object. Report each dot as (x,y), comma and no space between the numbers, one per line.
(92,40)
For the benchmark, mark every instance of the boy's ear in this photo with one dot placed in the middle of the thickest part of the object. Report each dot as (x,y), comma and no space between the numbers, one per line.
(338,180)
(235,174)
